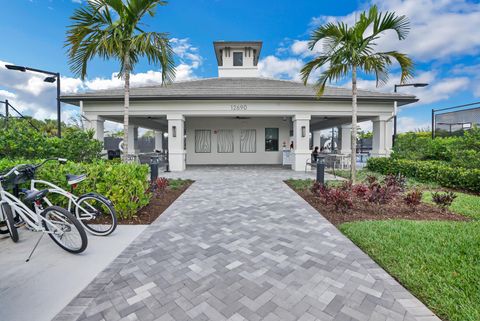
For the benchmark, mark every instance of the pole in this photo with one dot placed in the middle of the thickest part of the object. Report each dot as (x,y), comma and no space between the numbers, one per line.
(433,123)
(6,113)
(394,123)
(333,142)
(394,118)
(59,111)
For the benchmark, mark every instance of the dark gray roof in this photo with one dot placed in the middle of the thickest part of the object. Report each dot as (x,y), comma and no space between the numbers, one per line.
(235,88)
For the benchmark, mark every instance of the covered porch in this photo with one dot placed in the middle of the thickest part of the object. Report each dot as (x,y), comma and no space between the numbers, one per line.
(191,140)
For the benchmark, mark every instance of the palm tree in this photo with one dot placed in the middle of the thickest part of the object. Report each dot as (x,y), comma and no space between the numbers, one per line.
(113,29)
(350,49)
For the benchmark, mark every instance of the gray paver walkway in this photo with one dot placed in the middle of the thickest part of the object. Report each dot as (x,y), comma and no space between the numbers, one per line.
(240,245)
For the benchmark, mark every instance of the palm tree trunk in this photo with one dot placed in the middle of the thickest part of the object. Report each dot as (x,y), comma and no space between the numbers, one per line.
(125,113)
(353,160)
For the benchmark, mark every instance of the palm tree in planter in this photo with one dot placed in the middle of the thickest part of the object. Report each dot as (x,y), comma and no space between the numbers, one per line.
(113,29)
(349,49)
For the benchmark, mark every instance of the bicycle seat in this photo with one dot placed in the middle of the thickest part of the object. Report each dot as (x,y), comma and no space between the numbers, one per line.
(32,195)
(75,179)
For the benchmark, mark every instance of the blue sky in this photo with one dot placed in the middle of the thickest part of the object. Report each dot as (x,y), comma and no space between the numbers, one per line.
(444,43)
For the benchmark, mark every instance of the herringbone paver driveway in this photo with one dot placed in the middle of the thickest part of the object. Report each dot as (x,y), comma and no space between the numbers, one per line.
(240,245)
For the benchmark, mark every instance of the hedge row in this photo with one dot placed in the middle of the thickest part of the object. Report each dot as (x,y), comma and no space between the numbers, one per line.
(124,184)
(463,151)
(429,171)
(20,140)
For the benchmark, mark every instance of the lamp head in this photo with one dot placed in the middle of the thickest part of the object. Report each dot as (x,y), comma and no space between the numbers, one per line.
(18,68)
(50,79)
(420,85)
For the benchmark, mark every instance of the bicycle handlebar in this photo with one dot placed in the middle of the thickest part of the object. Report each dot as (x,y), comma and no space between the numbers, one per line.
(15,170)
(60,160)
(10,172)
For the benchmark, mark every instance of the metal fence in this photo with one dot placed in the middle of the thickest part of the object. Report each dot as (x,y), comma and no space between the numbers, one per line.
(145,144)
(454,121)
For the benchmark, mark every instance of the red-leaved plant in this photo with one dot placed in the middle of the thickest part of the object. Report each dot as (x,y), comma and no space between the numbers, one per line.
(443,200)
(380,194)
(159,185)
(396,183)
(413,198)
(322,191)
(341,199)
(360,190)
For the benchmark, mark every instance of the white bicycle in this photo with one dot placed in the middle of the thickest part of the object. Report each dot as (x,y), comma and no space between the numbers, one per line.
(62,227)
(94,211)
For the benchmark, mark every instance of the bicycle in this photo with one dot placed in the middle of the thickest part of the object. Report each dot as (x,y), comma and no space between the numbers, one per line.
(62,227)
(94,211)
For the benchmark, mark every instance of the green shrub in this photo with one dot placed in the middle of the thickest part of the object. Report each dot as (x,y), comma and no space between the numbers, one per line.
(124,184)
(21,140)
(429,171)
(463,151)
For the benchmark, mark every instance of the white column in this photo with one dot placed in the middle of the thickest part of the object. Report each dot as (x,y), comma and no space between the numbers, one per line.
(389,137)
(133,140)
(158,140)
(345,135)
(176,148)
(316,139)
(96,123)
(302,153)
(381,144)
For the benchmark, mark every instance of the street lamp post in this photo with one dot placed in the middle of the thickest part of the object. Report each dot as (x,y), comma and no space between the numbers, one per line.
(52,77)
(395,106)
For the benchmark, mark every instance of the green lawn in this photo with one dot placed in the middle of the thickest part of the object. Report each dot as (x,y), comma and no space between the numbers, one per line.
(300,184)
(303,184)
(177,183)
(363,173)
(465,204)
(439,262)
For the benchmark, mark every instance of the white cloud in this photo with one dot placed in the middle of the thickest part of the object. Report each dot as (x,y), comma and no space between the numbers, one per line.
(439,28)
(438,89)
(273,67)
(32,96)
(5,94)
(408,124)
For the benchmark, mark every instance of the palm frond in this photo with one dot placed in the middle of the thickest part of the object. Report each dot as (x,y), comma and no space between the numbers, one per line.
(310,66)
(390,21)
(378,66)
(406,65)
(157,49)
(331,74)
(327,32)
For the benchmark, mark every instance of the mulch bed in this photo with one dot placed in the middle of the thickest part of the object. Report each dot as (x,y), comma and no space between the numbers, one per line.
(158,204)
(362,211)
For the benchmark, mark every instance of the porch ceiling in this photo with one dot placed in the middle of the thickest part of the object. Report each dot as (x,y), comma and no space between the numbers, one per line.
(161,123)
(149,122)
(320,123)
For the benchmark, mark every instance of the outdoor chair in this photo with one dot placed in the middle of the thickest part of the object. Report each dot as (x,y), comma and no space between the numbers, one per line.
(310,162)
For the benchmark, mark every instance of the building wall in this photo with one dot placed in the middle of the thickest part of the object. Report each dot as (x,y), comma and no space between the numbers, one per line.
(229,70)
(236,157)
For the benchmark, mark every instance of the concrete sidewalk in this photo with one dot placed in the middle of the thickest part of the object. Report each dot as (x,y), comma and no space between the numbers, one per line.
(39,289)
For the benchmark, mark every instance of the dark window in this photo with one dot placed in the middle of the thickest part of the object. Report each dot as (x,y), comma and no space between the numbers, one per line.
(238,59)
(271,139)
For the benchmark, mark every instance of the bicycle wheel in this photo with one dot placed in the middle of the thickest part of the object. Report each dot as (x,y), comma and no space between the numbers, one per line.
(96,214)
(70,235)
(8,215)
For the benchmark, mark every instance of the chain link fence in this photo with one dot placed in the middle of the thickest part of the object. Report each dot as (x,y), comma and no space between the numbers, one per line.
(450,122)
